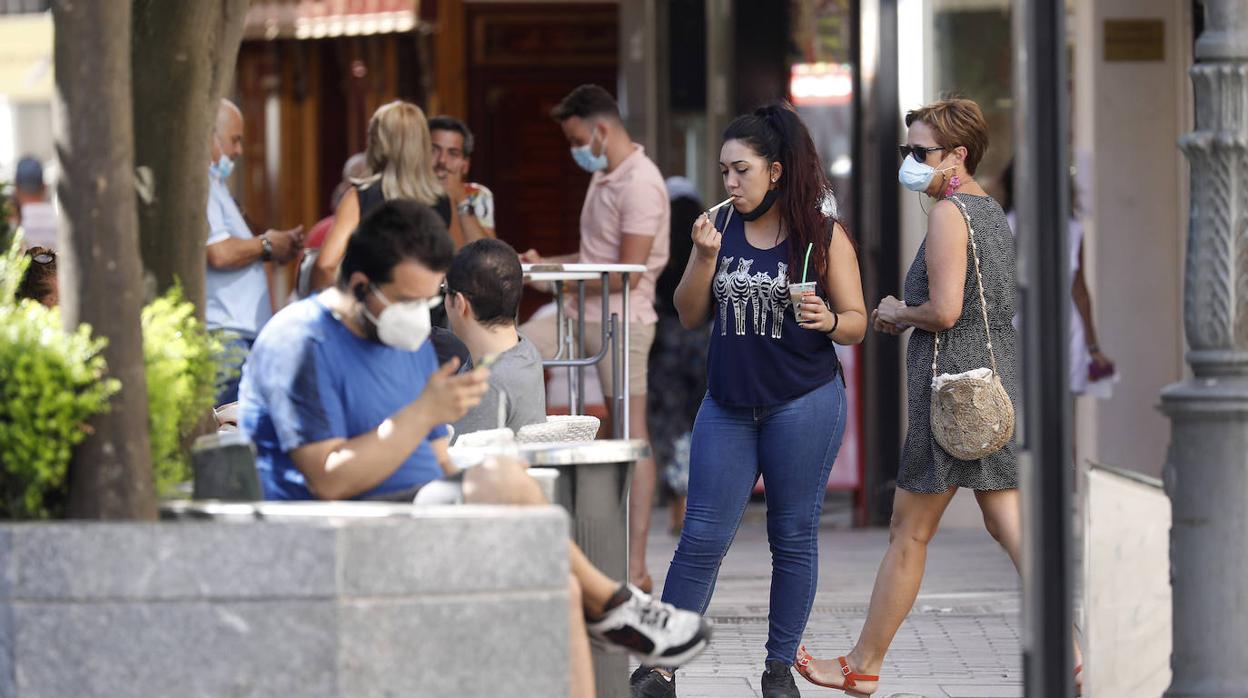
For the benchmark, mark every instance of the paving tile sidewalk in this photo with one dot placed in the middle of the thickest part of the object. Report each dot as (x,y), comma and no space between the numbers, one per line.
(961,641)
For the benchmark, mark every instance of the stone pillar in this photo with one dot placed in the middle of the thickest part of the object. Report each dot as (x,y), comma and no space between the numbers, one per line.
(638,87)
(720,90)
(1206,472)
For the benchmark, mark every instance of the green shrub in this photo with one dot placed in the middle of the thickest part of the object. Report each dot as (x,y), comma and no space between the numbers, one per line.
(178,353)
(51,383)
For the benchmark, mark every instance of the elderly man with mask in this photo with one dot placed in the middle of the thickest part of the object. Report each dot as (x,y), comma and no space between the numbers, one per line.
(236,286)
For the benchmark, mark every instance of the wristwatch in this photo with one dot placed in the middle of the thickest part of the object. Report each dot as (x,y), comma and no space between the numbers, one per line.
(266,253)
(465,207)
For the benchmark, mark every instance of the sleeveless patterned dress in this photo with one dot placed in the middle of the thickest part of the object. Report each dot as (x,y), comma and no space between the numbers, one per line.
(925,466)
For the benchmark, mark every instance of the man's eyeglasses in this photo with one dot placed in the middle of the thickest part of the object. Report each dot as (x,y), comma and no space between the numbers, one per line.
(919,152)
(446,290)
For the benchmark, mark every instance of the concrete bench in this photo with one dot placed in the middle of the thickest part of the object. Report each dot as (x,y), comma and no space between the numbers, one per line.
(309,600)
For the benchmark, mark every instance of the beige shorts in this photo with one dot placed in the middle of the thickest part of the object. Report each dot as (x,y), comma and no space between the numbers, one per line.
(541,331)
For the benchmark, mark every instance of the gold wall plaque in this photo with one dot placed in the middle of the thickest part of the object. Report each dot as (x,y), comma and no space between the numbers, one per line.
(1135,40)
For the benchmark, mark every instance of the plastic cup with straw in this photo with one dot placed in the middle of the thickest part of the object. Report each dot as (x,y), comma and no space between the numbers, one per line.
(796,291)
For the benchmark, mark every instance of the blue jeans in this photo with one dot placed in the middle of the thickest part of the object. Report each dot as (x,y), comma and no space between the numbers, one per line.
(230,366)
(792,446)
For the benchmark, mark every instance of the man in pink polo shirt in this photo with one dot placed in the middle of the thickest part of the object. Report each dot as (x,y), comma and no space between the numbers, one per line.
(625,220)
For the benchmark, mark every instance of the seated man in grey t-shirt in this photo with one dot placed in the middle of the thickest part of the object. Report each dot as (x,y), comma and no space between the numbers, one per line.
(483,288)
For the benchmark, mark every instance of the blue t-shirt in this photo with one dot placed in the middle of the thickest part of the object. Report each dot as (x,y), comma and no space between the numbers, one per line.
(759,356)
(309,379)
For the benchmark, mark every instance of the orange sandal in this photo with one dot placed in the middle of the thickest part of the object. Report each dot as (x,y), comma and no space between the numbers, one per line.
(851,679)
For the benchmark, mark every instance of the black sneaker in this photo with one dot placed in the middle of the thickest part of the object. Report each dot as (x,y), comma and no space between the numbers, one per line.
(649,683)
(657,633)
(778,681)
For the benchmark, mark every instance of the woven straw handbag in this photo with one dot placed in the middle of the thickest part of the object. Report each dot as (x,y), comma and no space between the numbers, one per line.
(972,416)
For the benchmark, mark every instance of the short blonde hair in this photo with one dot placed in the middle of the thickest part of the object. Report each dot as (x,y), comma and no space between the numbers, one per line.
(400,153)
(956,122)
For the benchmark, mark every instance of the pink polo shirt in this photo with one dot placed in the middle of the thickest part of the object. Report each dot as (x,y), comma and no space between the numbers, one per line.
(631,199)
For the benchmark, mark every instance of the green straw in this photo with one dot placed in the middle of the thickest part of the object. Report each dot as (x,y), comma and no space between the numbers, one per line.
(806,264)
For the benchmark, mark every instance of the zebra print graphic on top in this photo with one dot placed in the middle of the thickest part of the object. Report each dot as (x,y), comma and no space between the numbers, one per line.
(757,354)
(757,297)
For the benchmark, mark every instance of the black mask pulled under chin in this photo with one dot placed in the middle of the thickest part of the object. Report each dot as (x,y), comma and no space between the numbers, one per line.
(768,199)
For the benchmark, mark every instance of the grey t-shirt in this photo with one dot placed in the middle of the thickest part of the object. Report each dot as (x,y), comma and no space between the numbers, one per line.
(517,393)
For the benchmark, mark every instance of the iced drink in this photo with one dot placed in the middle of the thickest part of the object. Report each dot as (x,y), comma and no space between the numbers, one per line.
(796,291)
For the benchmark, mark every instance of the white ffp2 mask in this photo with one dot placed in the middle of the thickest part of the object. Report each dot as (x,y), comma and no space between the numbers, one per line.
(403,325)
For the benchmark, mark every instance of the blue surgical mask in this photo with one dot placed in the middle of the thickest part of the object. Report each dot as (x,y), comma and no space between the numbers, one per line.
(917,176)
(223,167)
(584,155)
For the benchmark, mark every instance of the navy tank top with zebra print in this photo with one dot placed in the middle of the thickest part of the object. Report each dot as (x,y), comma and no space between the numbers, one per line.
(758,354)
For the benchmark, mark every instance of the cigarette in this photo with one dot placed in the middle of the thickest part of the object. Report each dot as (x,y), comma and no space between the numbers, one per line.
(720,205)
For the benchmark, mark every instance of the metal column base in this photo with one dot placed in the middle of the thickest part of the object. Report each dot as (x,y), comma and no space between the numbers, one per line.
(1206,478)
(596,497)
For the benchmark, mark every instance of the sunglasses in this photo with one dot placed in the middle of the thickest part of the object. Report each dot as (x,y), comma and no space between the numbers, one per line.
(919,152)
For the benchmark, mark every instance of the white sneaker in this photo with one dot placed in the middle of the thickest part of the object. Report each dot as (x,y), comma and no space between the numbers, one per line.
(657,633)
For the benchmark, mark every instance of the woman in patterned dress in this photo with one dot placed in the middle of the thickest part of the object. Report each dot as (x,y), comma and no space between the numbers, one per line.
(945,143)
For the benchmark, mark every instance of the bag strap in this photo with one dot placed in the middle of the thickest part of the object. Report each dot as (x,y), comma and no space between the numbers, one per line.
(979,282)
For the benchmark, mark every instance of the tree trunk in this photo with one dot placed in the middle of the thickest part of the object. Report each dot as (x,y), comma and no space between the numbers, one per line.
(183,56)
(111,474)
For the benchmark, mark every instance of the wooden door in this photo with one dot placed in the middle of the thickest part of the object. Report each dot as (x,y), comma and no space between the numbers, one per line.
(523,59)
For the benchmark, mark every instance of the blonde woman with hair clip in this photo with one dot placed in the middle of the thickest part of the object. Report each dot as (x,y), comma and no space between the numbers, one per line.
(400,157)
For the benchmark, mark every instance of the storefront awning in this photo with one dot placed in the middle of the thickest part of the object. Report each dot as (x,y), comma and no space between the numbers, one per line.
(26,58)
(319,19)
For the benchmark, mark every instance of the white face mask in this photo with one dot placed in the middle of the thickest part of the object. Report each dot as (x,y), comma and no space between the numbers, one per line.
(403,325)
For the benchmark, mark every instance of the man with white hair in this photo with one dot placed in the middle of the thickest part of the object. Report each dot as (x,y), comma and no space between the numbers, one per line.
(236,286)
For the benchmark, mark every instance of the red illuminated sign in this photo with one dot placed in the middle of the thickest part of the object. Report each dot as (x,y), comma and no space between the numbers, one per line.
(821,83)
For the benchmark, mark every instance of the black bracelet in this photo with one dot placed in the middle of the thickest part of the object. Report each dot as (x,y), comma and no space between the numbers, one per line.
(836,322)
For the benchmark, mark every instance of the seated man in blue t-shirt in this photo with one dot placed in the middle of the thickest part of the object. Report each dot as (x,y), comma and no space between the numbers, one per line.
(343,398)
(342,395)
